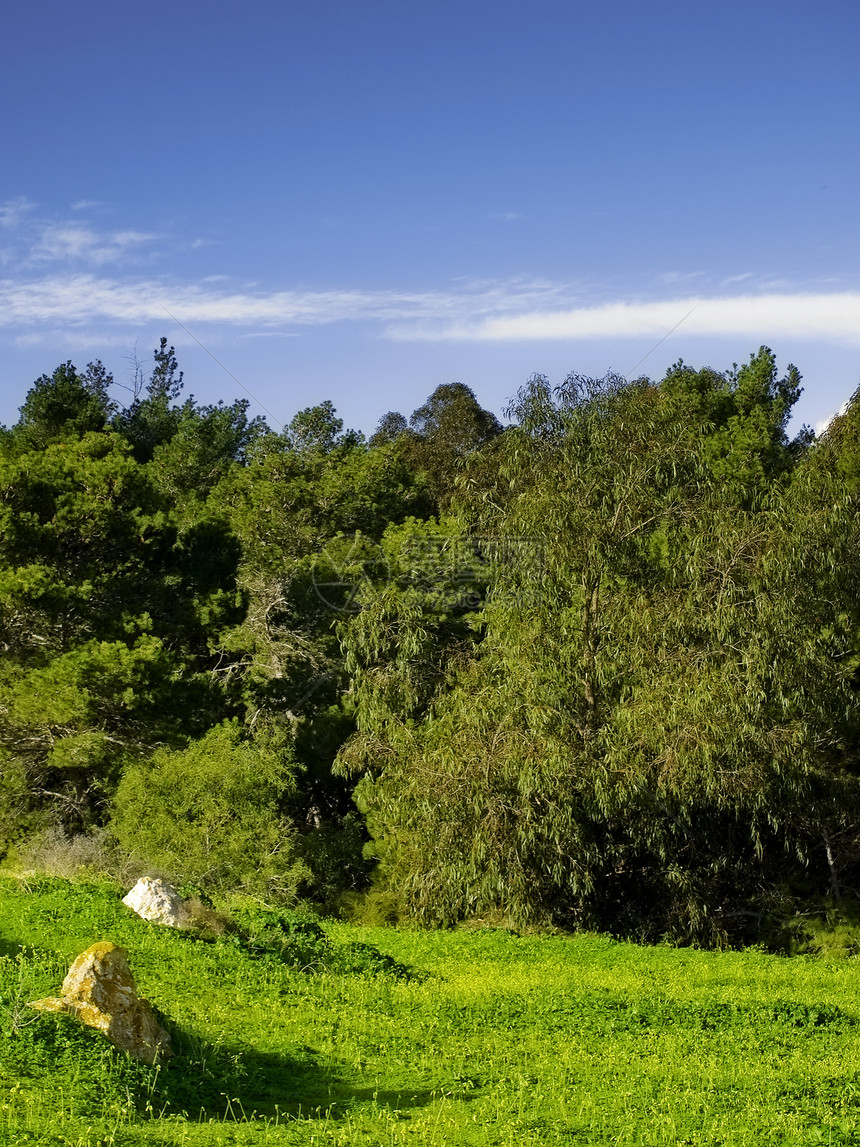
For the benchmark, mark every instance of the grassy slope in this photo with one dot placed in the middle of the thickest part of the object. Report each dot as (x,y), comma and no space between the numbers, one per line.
(506,1040)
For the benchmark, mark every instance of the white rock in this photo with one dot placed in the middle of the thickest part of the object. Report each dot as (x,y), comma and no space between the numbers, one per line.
(159,902)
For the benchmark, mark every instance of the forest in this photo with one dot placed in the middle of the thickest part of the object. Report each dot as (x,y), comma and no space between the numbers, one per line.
(596,668)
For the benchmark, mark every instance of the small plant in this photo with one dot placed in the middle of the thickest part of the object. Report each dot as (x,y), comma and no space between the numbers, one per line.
(58,853)
(832,932)
(300,942)
(16,992)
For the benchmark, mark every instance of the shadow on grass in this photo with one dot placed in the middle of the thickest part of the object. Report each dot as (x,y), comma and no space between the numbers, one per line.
(234,1083)
(9,948)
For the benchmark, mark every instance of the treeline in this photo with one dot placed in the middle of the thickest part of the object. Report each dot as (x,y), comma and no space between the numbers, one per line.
(597,668)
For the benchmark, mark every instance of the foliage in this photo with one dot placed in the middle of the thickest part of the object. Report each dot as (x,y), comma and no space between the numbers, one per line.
(445,431)
(65,403)
(212,813)
(599,668)
(105,613)
(309,521)
(204,445)
(317,429)
(153,419)
(112,590)
(648,735)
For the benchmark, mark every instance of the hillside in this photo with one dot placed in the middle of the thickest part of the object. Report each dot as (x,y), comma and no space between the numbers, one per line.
(472,1037)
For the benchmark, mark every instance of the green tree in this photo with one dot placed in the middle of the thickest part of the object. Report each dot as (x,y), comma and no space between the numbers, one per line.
(318,428)
(206,443)
(107,612)
(65,403)
(310,521)
(446,430)
(637,737)
(389,428)
(154,418)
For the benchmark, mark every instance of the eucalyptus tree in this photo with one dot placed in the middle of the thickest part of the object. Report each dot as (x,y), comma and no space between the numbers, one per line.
(640,725)
(823,537)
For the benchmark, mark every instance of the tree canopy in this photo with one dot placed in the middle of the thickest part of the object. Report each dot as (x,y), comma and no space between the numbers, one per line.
(595,668)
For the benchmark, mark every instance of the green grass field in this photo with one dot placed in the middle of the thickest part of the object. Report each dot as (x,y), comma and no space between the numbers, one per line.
(489,1038)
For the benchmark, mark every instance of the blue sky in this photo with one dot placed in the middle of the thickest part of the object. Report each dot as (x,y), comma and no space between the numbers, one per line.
(362,199)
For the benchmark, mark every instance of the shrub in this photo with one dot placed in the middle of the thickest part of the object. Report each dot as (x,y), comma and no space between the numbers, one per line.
(296,939)
(211,813)
(58,853)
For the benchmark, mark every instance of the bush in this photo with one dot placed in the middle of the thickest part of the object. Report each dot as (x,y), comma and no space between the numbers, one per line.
(211,813)
(296,939)
(58,853)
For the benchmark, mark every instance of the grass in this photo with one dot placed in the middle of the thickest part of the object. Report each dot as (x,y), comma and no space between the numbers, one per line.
(491,1039)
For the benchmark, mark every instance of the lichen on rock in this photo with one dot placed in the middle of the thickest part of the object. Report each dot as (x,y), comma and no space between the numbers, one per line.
(100,992)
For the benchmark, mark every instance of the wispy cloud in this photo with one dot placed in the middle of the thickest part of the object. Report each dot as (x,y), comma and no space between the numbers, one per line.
(515,310)
(77,242)
(14,211)
(75,299)
(730,280)
(673,278)
(89,204)
(30,239)
(75,339)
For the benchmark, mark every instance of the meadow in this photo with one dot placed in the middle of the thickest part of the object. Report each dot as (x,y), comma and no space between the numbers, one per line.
(346,1035)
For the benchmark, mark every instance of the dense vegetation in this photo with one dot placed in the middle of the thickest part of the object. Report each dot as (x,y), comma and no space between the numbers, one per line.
(477,1037)
(598,668)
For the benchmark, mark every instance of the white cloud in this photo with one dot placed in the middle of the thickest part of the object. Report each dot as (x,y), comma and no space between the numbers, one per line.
(88,204)
(674,277)
(14,211)
(475,312)
(745,277)
(834,316)
(31,238)
(83,338)
(64,241)
(75,299)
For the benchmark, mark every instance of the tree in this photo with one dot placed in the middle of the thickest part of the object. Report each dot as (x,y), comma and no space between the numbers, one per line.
(65,404)
(651,711)
(310,521)
(107,615)
(150,421)
(206,443)
(445,430)
(453,419)
(389,428)
(317,428)
(841,444)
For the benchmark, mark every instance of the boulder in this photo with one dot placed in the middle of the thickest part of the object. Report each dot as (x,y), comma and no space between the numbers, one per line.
(159,902)
(100,992)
